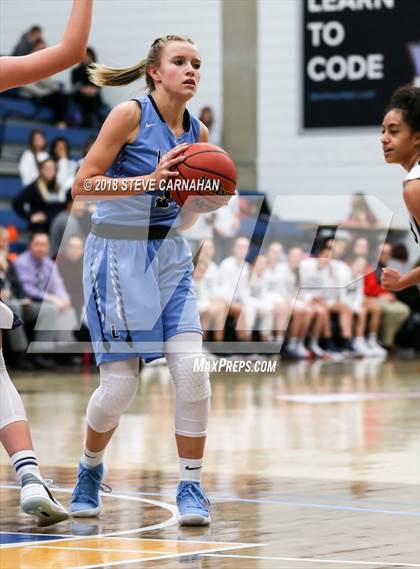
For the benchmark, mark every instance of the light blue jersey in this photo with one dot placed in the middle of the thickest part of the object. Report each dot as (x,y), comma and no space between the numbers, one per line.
(140,158)
(139,292)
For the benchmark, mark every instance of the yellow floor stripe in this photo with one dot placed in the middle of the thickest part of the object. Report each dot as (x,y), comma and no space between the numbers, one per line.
(96,551)
(143,545)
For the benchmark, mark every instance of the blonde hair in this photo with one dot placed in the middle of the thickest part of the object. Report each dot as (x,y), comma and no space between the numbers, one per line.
(102,75)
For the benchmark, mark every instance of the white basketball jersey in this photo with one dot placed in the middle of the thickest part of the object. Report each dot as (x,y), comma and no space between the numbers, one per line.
(414,174)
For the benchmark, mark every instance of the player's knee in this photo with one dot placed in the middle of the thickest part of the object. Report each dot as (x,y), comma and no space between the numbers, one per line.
(191,378)
(192,385)
(112,398)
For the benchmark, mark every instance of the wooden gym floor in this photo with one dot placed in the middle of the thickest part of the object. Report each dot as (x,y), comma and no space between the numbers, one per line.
(314,465)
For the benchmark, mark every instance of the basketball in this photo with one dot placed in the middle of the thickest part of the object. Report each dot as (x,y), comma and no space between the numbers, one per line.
(207,178)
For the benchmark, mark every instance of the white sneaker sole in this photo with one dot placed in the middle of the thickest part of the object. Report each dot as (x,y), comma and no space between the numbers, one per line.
(44,510)
(91,513)
(194,520)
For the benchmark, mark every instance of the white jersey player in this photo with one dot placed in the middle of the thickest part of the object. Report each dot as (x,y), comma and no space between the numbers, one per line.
(401,145)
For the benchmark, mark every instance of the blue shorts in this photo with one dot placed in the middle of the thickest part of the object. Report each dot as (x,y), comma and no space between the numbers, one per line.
(138,294)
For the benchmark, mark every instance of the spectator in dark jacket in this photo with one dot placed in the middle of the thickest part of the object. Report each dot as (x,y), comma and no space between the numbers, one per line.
(86,94)
(27,41)
(41,201)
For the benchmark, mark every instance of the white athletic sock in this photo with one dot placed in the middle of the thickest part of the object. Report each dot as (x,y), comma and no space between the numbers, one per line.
(190,469)
(280,339)
(24,462)
(92,459)
(292,342)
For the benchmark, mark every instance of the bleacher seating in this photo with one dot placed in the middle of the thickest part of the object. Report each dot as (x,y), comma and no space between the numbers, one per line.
(9,217)
(24,108)
(18,117)
(10,186)
(17,133)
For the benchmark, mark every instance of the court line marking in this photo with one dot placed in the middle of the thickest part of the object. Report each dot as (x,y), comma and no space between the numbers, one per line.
(157,539)
(170,556)
(169,522)
(313,560)
(285,494)
(303,505)
(324,506)
(98,549)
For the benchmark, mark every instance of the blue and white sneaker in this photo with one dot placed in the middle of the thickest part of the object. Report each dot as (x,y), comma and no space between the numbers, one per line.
(193,504)
(86,501)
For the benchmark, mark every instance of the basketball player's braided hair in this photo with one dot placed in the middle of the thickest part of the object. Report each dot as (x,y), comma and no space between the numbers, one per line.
(102,75)
(407,100)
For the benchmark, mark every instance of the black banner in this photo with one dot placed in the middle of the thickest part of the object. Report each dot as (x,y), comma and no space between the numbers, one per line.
(356,53)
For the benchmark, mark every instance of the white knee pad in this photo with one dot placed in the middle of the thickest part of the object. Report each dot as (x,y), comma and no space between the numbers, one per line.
(193,391)
(11,406)
(118,386)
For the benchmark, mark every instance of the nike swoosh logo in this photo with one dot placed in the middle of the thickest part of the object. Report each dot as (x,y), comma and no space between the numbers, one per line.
(149,124)
(193,467)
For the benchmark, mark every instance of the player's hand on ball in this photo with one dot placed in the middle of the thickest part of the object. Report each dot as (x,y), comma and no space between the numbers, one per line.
(165,168)
(390,279)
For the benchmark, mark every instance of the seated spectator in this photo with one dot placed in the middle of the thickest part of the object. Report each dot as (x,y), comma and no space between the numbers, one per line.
(207,118)
(48,92)
(27,41)
(361,214)
(394,312)
(321,282)
(86,94)
(364,310)
(200,231)
(32,157)
(321,327)
(212,309)
(70,267)
(13,295)
(41,201)
(60,152)
(226,228)
(255,302)
(211,285)
(399,259)
(339,250)
(301,314)
(233,282)
(276,298)
(73,220)
(360,248)
(50,307)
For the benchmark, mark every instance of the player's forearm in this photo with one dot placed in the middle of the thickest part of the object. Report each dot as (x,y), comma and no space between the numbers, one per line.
(411,278)
(188,218)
